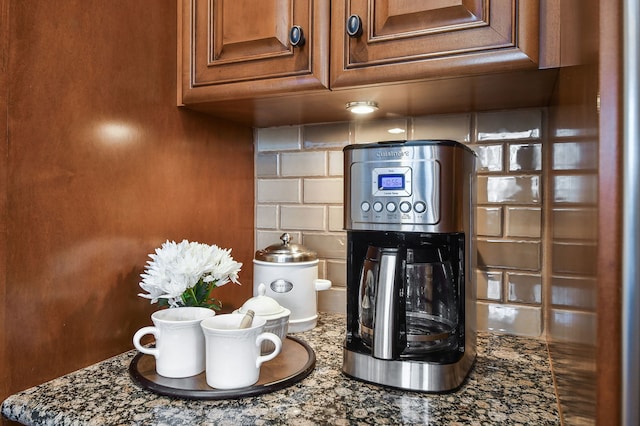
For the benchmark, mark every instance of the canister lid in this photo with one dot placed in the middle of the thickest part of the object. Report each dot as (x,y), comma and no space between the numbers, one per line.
(286,252)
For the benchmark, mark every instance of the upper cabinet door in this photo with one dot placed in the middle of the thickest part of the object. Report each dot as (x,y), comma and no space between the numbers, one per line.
(234,49)
(409,40)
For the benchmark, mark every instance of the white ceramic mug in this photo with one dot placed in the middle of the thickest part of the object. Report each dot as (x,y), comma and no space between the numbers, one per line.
(179,349)
(232,353)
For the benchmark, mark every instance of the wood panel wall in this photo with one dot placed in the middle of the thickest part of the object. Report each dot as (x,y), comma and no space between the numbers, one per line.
(101,167)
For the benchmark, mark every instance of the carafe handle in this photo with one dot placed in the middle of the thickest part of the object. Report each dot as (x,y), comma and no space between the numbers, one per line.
(384,330)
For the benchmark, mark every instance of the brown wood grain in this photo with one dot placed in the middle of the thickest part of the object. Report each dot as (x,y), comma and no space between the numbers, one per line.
(101,168)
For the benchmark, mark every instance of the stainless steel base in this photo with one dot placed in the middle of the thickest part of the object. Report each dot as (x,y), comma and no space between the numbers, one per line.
(405,374)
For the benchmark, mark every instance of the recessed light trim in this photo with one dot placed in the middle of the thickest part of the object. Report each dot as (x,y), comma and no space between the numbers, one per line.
(362,107)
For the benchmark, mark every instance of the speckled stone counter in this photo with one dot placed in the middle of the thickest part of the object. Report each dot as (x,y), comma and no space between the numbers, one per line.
(511,383)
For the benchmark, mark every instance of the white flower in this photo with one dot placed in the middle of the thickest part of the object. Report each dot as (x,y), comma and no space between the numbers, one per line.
(175,268)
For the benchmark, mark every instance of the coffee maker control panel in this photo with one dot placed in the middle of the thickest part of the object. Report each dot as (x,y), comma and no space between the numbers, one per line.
(395,193)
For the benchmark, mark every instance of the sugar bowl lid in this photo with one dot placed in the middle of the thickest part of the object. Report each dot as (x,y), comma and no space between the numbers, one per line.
(263,306)
(286,252)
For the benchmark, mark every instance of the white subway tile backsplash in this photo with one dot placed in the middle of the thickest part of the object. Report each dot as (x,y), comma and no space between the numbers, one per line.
(509,189)
(502,125)
(312,163)
(512,319)
(284,138)
(489,158)
(327,191)
(337,272)
(267,217)
(456,127)
(489,221)
(489,285)
(524,222)
(378,130)
(527,157)
(266,165)
(328,246)
(336,218)
(336,163)
(303,217)
(279,191)
(299,190)
(573,189)
(524,288)
(326,136)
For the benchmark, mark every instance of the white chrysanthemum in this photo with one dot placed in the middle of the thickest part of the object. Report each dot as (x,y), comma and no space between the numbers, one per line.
(175,268)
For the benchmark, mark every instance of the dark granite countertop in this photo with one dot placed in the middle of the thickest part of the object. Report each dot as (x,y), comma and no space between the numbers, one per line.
(511,383)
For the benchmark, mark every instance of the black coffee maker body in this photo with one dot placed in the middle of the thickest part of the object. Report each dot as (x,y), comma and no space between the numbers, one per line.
(411,318)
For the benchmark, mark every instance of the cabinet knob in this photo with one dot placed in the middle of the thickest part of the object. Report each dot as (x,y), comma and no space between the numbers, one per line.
(296,36)
(354,26)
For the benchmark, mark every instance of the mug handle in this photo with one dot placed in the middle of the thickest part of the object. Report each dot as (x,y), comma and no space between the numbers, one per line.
(276,341)
(143,331)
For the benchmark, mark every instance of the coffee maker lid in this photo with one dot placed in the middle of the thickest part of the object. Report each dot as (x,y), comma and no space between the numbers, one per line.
(286,252)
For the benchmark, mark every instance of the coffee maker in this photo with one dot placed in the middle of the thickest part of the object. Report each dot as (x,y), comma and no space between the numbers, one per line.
(411,317)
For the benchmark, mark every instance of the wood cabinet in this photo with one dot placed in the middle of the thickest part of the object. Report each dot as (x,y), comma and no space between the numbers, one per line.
(236,61)
(241,48)
(407,40)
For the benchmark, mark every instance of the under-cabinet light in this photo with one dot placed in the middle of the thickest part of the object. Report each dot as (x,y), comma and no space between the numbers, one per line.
(362,107)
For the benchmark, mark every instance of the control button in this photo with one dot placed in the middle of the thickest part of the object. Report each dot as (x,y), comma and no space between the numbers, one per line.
(377,206)
(420,207)
(391,207)
(405,207)
(365,206)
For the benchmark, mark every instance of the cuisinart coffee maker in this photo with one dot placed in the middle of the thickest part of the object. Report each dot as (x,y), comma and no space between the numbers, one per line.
(411,318)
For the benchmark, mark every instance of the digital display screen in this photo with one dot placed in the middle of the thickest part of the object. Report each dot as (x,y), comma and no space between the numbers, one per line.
(391,182)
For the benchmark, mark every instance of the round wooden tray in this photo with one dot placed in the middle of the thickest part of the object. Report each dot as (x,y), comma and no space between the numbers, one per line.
(295,362)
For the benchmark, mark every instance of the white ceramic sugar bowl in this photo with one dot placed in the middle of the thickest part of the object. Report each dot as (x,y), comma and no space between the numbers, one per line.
(268,308)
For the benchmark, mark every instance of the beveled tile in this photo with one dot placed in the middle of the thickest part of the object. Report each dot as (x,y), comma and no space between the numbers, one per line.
(509,189)
(574,292)
(489,285)
(266,165)
(337,272)
(525,157)
(575,155)
(336,163)
(572,326)
(456,127)
(326,136)
(524,288)
(514,124)
(489,158)
(266,216)
(523,222)
(581,189)
(323,190)
(278,191)
(512,319)
(336,218)
(285,138)
(489,221)
(302,217)
(309,163)
(574,258)
(378,130)
(509,254)
(329,246)
(577,223)
(333,300)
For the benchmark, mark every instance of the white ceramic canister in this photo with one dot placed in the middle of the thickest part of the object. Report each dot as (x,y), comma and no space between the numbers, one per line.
(290,274)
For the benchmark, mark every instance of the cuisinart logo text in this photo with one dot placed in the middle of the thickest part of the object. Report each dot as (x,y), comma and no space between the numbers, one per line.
(392,154)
